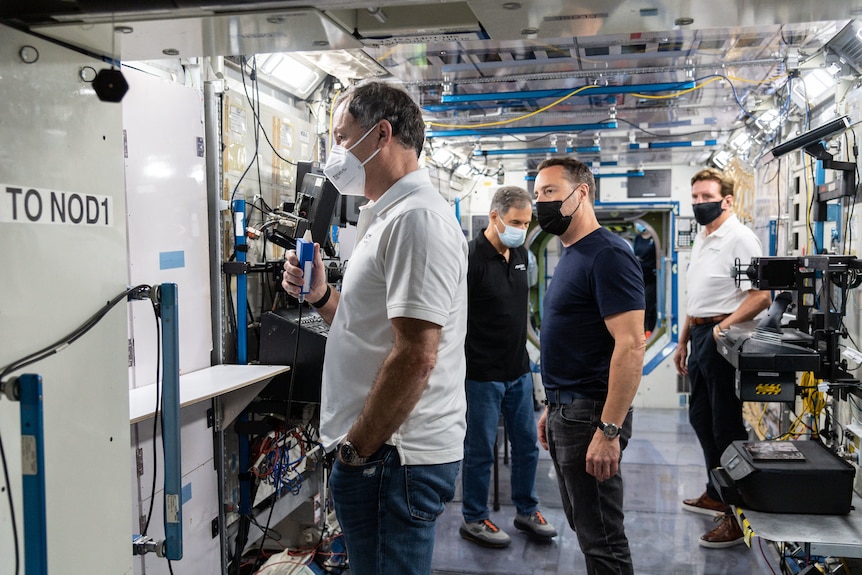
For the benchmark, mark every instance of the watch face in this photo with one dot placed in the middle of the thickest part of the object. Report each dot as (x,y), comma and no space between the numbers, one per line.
(610,430)
(347,453)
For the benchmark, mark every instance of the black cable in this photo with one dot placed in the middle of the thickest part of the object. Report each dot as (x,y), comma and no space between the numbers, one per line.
(657,135)
(254,158)
(155,417)
(810,208)
(37,356)
(848,238)
(11,508)
(256,115)
(69,339)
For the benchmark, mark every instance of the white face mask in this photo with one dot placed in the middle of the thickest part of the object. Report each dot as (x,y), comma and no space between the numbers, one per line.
(511,236)
(345,171)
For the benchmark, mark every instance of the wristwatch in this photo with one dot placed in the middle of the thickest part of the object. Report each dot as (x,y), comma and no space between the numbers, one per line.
(348,454)
(611,430)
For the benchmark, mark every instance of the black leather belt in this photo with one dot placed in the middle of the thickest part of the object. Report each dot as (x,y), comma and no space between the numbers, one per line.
(706,320)
(562,397)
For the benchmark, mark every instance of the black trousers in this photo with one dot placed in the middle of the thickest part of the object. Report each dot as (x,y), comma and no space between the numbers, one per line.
(651,312)
(715,412)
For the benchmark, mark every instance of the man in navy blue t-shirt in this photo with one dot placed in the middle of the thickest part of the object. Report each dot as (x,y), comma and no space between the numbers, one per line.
(592,344)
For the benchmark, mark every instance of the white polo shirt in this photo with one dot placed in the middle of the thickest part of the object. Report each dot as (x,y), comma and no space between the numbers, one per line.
(410,260)
(711,286)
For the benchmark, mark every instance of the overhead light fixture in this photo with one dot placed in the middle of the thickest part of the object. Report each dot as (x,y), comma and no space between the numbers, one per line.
(346,65)
(466,131)
(630,174)
(294,75)
(741,143)
(813,88)
(720,159)
(589,91)
(442,157)
(681,144)
(537,151)
(769,120)
(464,170)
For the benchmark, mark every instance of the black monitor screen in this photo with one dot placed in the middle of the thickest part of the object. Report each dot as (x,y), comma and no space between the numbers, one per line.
(312,184)
(653,184)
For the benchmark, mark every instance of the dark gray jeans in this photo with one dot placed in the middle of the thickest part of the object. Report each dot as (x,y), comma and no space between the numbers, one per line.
(594,509)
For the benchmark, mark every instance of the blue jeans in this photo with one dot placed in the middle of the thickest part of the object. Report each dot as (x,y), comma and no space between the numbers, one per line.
(388,511)
(594,509)
(485,401)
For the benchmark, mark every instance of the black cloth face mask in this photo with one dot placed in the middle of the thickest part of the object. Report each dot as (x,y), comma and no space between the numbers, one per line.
(551,220)
(707,212)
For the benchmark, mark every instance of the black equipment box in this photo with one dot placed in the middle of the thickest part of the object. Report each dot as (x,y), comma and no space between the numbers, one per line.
(279,331)
(784,477)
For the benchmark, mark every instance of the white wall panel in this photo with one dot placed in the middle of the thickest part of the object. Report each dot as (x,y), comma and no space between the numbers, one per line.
(200,495)
(167,214)
(58,136)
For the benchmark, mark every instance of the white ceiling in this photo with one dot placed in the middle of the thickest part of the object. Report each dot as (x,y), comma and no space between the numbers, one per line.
(736,54)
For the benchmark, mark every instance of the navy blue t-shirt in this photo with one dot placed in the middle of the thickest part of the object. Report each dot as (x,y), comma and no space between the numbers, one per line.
(596,277)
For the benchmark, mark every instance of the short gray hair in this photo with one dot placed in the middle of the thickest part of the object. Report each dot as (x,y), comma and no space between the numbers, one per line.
(509,197)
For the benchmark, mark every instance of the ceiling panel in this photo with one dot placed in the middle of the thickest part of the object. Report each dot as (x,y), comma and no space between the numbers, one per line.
(737,54)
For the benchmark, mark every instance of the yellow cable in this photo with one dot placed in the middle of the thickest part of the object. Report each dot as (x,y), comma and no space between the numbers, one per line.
(681,92)
(525,116)
(582,88)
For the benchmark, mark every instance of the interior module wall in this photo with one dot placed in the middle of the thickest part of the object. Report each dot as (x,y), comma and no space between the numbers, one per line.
(58,137)
(268,179)
(281,124)
(167,215)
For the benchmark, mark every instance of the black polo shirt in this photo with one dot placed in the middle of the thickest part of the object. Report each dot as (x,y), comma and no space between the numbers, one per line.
(497,314)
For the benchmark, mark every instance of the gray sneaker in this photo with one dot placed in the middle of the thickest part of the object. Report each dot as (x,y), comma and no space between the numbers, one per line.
(535,525)
(484,533)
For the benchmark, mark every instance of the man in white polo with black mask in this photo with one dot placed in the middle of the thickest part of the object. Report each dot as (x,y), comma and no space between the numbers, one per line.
(715,302)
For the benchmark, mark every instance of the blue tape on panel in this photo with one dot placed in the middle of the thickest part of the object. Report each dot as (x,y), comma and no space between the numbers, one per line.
(172,260)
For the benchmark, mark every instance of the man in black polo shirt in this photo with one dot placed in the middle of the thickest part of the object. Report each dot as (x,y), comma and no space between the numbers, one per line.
(498,372)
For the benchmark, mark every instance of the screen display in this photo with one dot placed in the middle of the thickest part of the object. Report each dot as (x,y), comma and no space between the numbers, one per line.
(653,184)
(312,184)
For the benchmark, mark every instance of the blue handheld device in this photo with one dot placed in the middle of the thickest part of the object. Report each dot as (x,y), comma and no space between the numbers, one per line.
(305,253)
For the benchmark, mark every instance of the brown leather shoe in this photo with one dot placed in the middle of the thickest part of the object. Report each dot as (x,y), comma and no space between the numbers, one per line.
(705,505)
(727,534)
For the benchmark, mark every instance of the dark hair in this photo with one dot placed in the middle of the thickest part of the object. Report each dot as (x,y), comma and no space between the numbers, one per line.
(713,175)
(371,102)
(576,172)
(509,197)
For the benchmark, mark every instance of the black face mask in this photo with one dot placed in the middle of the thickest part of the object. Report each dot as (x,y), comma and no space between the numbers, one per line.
(707,212)
(550,218)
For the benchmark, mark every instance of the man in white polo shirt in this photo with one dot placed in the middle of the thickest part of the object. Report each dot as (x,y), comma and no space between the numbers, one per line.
(714,303)
(393,401)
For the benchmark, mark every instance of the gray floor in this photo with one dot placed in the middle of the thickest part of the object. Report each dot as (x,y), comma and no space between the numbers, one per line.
(662,465)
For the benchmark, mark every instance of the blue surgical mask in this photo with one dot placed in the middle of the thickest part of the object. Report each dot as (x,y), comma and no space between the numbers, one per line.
(639,228)
(511,236)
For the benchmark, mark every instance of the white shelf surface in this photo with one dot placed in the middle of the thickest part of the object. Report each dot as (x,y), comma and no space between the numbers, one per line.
(201,385)
(835,535)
